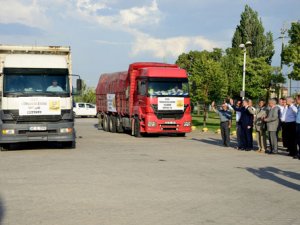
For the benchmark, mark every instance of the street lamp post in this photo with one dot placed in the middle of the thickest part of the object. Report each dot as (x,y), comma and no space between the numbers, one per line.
(244,48)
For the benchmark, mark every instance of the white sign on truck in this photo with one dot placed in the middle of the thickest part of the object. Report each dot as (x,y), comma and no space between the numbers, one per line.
(39,106)
(170,103)
(111,103)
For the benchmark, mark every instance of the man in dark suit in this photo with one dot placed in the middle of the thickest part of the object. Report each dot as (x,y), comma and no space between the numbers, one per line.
(246,124)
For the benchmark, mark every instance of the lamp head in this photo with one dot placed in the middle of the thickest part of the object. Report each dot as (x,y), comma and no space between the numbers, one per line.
(248,43)
(242,46)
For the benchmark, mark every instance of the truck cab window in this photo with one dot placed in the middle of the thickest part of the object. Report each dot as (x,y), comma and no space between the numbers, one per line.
(81,106)
(168,87)
(20,82)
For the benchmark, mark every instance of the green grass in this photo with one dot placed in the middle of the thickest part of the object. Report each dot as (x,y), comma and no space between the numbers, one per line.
(212,122)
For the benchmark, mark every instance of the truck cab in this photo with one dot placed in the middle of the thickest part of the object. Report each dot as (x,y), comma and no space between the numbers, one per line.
(36,95)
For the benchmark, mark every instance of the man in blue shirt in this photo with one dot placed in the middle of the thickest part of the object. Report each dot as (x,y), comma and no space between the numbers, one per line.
(298,125)
(225,122)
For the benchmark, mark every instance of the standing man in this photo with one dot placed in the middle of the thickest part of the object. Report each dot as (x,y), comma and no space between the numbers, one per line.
(246,122)
(290,126)
(238,124)
(298,125)
(260,126)
(272,121)
(225,122)
(283,108)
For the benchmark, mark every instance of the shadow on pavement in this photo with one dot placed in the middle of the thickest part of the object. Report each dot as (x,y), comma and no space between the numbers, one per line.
(35,146)
(211,141)
(271,173)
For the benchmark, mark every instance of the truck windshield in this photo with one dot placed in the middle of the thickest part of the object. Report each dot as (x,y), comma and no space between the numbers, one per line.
(168,87)
(45,82)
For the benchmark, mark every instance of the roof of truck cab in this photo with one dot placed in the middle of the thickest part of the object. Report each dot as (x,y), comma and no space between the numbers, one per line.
(164,72)
(140,65)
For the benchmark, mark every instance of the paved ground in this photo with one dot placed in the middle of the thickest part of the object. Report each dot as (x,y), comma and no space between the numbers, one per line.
(116,179)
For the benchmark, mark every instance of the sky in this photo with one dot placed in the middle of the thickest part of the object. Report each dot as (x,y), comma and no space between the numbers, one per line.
(108,35)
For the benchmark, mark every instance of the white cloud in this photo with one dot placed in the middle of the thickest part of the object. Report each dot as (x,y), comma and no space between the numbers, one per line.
(102,13)
(169,47)
(23,12)
(141,15)
(131,19)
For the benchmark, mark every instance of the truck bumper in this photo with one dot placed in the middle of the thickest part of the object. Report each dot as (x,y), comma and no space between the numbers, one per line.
(25,133)
(182,125)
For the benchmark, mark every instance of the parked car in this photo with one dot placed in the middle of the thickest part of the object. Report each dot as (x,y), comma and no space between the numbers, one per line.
(82,109)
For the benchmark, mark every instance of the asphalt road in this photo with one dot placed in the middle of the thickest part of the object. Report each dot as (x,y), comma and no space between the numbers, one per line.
(116,179)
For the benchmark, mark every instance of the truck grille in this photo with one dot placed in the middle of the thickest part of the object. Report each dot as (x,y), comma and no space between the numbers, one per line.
(168,114)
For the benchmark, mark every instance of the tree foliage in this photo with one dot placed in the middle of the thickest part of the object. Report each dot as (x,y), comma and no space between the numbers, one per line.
(291,53)
(251,29)
(207,79)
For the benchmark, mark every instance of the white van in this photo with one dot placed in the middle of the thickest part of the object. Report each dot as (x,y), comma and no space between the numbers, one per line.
(82,109)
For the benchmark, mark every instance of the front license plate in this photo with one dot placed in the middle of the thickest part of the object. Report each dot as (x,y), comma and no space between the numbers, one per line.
(37,128)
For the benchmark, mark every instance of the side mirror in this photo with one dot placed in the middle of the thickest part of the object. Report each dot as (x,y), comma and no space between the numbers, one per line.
(79,85)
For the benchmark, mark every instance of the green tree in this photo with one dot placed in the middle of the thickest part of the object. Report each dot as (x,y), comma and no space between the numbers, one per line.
(261,78)
(291,53)
(232,66)
(251,29)
(207,79)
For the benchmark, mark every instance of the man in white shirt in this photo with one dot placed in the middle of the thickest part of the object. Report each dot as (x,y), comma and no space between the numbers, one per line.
(290,124)
(54,87)
(283,108)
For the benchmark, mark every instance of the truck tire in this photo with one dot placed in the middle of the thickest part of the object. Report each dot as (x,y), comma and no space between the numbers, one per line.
(137,131)
(100,123)
(4,147)
(120,128)
(112,124)
(105,123)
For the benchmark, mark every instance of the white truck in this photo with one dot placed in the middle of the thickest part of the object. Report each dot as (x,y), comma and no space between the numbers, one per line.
(36,95)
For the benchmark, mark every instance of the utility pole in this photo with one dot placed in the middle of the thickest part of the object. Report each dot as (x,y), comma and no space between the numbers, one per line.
(283,30)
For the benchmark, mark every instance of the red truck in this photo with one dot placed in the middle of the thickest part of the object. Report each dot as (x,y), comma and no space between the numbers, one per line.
(149,98)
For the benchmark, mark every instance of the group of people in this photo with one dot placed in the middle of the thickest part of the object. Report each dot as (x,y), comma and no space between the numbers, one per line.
(267,119)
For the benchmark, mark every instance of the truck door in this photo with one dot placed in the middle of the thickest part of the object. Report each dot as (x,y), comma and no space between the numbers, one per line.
(142,95)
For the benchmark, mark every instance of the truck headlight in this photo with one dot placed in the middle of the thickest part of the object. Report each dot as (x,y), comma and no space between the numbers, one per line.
(187,124)
(8,131)
(66,130)
(151,124)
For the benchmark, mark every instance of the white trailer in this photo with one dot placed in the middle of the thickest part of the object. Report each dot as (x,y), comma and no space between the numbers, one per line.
(36,95)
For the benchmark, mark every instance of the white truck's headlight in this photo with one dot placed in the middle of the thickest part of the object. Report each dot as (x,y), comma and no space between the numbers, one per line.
(66,130)
(8,131)
(187,124)
(151,124)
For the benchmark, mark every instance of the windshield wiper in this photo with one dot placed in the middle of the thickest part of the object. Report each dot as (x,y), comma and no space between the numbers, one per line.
(14,93)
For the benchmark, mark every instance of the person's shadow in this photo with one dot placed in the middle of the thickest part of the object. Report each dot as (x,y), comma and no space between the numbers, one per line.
(272,173)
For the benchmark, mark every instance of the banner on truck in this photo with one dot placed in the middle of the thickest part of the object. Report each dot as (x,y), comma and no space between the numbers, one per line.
(30,106)
(111,103)
(170,103)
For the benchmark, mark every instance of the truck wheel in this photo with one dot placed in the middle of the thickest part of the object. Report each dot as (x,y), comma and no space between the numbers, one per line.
(105,123)
(137,131)
(112,124)
(4,147)
(120,128)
